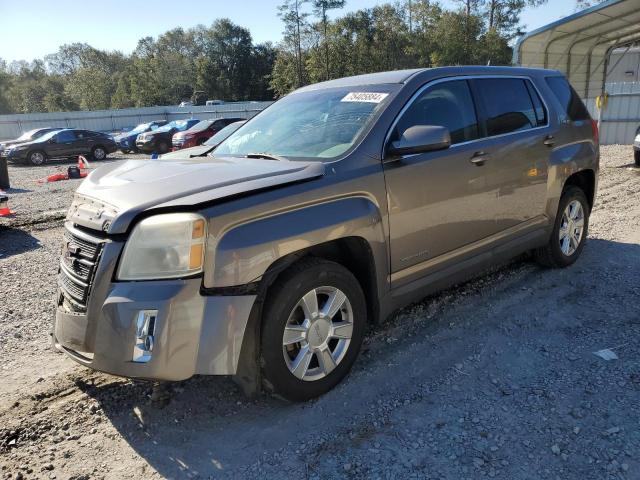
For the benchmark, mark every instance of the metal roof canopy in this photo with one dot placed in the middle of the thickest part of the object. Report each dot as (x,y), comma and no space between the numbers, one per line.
(580,45)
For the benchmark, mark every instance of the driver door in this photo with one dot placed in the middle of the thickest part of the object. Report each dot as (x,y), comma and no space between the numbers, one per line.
(439,201)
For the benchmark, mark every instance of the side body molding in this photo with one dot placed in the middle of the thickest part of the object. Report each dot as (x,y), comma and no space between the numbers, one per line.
(244,253)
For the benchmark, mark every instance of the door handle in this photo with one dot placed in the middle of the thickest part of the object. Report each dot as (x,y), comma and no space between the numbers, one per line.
(479,158)
(549,141)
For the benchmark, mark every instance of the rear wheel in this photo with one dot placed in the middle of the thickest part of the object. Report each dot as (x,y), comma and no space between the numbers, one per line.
(569,232)
(636,157)
(37,158)
(313,327)
(99,153)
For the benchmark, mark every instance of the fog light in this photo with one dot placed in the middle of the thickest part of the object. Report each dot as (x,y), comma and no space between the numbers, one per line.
(145,326)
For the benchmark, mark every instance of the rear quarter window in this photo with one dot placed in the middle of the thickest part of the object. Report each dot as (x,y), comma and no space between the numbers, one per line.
(568,98)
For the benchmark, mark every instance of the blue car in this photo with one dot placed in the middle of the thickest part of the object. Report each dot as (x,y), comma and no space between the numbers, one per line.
(159,140)
(127,141)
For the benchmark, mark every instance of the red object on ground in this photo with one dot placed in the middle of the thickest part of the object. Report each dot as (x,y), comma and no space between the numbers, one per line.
(57,176)
(4,206)
(82,162)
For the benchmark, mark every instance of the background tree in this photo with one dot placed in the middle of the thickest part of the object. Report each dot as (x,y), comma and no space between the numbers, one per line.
(320,10)
(222,61)
(582,4)
(295,22)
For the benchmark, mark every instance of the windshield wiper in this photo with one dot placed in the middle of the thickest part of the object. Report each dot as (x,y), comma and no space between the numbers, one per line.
(205,153)
(268,156)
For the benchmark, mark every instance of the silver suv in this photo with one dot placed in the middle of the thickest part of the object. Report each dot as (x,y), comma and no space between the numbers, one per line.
(340,203)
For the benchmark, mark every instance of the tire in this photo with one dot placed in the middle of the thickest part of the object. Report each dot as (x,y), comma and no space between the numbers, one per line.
(98,152)
(562,251)
(162,147)
(636,157)
(284,307)
(37,158)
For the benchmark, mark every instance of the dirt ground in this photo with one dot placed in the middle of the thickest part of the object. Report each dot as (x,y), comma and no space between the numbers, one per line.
(494,378)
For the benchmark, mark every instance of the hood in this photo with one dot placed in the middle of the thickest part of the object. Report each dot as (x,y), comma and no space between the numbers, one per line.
(186,152)
(30,142)
(126,136)
(112,195)
(8,143)
(184,134)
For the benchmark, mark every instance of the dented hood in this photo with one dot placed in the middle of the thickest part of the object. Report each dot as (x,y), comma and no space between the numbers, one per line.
(112,195)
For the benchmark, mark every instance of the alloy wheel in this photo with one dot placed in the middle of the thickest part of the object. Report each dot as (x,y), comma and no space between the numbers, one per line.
(318,333)
(99,154)
(37,158)
(571,228)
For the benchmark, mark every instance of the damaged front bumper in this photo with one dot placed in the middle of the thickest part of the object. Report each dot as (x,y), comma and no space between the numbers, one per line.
(162,330)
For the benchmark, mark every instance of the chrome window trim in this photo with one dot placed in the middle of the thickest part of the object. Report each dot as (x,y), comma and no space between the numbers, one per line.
(468,77)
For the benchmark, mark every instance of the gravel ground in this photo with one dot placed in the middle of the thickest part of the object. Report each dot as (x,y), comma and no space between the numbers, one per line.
(36,201)
(495,378)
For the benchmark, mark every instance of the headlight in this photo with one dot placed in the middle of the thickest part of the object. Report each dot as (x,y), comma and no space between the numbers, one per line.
(164,246)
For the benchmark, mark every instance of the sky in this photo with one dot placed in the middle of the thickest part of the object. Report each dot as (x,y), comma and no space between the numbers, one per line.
(33,28)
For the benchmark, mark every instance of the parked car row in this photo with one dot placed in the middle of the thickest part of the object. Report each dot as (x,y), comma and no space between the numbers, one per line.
(37,146)
(159,136)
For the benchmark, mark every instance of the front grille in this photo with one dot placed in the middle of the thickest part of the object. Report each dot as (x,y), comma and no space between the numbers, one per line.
(80,256)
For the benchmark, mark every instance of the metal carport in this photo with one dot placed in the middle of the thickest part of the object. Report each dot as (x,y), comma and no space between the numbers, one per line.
(580,46)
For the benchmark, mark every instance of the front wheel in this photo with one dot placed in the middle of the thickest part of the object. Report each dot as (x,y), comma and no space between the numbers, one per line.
(569,231)
(313,326)
(98,153)
(37,158)
(636,157)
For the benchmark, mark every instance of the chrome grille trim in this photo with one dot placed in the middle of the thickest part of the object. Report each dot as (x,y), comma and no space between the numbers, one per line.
(78,262)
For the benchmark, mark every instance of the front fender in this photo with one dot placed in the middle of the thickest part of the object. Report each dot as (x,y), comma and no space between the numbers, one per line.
(243,253)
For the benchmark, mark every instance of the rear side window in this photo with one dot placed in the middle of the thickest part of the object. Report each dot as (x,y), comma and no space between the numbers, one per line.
(568,98)
(509,106)
(447,104)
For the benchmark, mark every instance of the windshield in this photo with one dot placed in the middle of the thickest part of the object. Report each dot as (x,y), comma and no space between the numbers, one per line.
(224,133)
(27,135)
(203,125)
(178,124)
(318,124)
(141,128)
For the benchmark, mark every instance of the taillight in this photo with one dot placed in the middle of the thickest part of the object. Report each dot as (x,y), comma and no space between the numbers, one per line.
(594,131)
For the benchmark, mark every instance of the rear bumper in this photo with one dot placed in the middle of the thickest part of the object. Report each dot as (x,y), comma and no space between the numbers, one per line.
(192,333)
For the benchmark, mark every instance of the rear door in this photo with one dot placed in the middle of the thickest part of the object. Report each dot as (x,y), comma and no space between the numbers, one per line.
(85,142)
(519,142)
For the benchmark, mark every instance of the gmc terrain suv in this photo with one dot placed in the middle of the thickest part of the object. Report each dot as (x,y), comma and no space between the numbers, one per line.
(338,204)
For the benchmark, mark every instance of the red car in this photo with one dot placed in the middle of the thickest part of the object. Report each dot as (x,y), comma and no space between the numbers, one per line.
(200,132)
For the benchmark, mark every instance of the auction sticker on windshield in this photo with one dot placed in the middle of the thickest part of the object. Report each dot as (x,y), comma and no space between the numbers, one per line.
(371,97)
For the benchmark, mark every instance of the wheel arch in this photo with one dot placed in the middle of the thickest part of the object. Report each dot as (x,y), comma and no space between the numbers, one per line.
(586,181)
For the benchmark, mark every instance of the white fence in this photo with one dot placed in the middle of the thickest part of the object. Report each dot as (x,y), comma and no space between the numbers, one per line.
(12,126)
(621,116)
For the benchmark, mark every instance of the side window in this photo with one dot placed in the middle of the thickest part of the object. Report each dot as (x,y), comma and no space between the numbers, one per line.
(65,136)
(540,111)
(447,104)
(568,98)
(507,104)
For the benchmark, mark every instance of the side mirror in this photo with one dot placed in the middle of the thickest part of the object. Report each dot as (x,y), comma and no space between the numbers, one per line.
(52,140)
(420,139)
